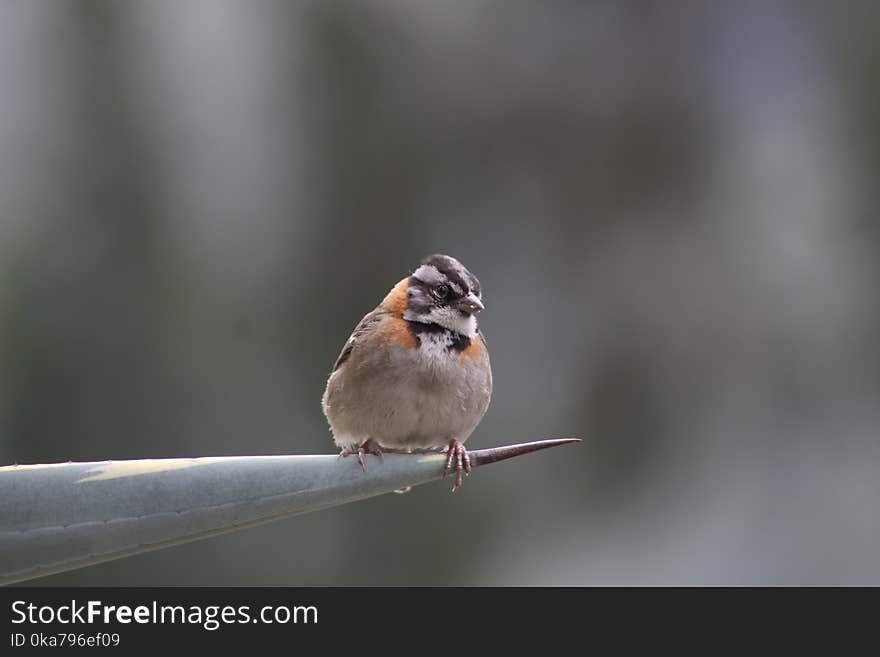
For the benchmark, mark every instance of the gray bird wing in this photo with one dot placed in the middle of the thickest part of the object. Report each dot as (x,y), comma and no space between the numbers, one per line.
(369,322)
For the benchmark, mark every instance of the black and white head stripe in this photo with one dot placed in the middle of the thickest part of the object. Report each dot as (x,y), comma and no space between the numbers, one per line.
(440,290)
(437,269)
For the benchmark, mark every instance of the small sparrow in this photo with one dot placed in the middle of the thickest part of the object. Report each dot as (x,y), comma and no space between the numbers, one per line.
(415,372)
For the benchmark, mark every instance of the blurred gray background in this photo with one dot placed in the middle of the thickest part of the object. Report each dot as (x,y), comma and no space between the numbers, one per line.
(671,207)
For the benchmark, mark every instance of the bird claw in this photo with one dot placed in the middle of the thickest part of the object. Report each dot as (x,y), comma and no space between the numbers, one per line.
(370,446)
(462,462)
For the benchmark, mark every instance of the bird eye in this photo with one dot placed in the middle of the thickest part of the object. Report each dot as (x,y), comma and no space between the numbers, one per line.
(441,291)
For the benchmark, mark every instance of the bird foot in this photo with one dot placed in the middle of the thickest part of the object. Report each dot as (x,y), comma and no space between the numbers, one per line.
(458,453)
(370,446)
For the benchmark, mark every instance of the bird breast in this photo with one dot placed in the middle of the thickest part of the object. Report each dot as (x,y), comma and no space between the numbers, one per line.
(412,398)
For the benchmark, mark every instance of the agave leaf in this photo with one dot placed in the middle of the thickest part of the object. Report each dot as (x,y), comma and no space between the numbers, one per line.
(62,516)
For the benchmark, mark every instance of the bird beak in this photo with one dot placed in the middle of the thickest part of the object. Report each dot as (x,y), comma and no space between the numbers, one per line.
(470,304)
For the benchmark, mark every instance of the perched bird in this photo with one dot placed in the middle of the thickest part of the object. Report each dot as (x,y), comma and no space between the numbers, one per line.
(415,372)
